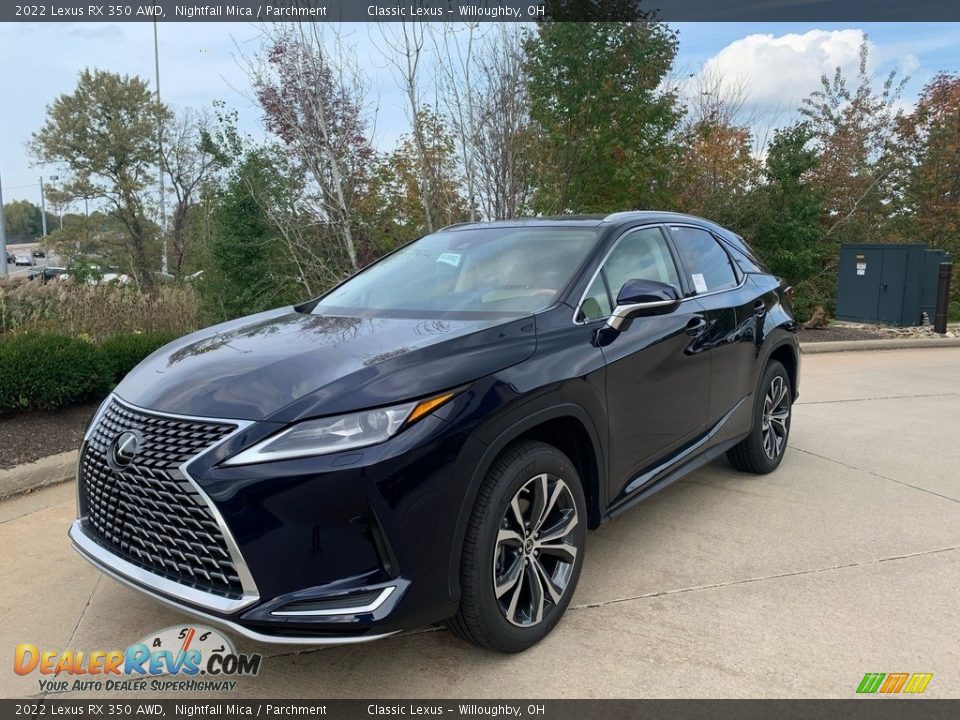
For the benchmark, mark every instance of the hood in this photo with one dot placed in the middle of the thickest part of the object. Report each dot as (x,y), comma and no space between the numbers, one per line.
(286,365)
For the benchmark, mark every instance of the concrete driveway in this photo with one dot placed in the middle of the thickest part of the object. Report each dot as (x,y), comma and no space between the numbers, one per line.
(844,561)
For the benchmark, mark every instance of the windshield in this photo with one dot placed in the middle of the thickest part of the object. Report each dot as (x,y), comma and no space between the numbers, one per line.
(500,270)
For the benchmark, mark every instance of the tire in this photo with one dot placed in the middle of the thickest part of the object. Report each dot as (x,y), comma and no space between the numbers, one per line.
(546,551)
(762,450)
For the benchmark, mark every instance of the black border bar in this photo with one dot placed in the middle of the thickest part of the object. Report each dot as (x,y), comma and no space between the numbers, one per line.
(872,708)
(115,11)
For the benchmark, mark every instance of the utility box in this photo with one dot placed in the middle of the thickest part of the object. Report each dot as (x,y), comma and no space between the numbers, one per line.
(889,284)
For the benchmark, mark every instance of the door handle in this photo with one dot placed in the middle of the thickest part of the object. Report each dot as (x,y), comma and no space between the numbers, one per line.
(696,326)
(759,308)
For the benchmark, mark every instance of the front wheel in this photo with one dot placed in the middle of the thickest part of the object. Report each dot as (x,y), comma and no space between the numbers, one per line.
(523,549)
(762,450)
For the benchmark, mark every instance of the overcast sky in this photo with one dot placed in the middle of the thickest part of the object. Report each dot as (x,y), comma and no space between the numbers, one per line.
(780,63)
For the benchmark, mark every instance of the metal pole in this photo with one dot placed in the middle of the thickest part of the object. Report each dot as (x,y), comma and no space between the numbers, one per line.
(3,240)
(943,298)
(163,208)
(43,208)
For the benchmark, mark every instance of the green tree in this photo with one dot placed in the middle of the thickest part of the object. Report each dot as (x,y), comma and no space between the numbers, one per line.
(603,119)
(22,217)
(105,133)
(245,267)
(786,224)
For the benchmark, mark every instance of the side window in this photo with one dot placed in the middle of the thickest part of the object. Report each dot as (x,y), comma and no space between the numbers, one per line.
(640,255)
(706,262)
(596,303)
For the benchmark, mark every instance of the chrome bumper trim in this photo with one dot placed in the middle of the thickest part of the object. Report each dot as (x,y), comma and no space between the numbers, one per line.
(113,566)
(369,607)
(144,579)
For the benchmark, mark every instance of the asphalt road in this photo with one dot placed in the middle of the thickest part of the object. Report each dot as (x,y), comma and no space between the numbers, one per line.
(844,561)
(14,271)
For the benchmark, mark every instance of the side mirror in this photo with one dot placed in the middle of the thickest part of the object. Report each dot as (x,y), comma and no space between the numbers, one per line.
(643,298)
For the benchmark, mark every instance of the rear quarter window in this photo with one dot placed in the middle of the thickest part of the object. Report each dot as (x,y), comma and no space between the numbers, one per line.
(706,262)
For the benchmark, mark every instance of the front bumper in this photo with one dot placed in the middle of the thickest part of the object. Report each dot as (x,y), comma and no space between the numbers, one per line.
(150,584)
(378,524)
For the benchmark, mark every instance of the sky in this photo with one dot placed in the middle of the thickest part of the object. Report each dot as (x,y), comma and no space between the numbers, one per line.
(777,63)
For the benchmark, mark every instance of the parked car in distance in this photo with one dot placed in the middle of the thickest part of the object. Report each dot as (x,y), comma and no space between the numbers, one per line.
(48,273)
(39,253)
(24,259)
(431,439)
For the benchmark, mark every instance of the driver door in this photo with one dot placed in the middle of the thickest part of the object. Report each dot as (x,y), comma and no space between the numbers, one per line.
(658,380)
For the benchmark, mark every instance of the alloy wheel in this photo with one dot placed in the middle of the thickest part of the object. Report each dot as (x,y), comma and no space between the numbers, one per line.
(533,560)
(776,417)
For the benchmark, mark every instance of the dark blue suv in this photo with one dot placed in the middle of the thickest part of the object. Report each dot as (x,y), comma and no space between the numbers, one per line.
(432,438)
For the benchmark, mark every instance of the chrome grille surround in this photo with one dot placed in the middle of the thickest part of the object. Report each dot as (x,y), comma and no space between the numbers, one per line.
(152,515)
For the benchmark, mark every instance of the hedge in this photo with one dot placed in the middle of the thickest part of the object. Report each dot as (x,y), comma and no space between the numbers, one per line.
(124,352)
(39,371)
(50,371)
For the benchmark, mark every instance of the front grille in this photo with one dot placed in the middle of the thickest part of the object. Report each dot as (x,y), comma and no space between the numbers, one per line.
(148,512)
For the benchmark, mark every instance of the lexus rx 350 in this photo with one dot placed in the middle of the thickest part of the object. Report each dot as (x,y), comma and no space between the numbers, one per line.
(432,439)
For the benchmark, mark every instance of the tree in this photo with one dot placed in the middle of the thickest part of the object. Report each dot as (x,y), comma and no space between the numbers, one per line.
(931,138)
(786,213)
(313,98)
(104,132)
(854,130)
(603,120)
(245,267)
(716,170)
(22,218)
(189,159)
(394,200)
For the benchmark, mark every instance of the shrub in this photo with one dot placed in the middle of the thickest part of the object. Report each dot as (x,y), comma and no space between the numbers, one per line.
(50,371)
(124,352)
(97,312)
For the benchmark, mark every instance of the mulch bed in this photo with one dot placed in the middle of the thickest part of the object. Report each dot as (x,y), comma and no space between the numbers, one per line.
(838,333)
(29,436)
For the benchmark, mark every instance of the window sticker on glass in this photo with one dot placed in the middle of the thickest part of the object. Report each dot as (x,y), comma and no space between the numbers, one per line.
(450,259)
(699,284)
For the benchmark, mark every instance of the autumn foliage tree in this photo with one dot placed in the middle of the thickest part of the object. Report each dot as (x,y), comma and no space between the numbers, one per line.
(854,129)
(312,97)
(931,137)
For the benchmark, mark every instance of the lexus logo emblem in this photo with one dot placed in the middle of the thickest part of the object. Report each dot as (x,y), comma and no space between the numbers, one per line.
(124,448)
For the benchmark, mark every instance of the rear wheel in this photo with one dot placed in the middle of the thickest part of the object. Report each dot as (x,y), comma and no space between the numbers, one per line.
(762,450)
(523,549)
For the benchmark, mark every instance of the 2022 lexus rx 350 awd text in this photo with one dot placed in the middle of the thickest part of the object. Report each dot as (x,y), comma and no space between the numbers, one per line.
(431,439)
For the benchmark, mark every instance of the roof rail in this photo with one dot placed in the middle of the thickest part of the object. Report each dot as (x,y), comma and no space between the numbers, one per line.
(621,215)
(459,224)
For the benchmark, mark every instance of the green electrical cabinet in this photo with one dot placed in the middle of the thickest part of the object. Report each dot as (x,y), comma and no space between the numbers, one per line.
(888,284)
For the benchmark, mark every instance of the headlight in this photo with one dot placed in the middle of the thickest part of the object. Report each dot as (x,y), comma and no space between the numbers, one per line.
(334,434)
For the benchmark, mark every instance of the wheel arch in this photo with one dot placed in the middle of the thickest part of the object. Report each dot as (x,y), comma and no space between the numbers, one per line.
(565,424)
(786,354)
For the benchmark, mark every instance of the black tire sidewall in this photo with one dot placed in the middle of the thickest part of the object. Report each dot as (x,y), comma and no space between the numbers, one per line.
(540,459)
(773,369)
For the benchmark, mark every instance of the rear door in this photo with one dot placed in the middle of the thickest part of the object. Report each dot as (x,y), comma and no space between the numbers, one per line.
(658,386)
(733,309)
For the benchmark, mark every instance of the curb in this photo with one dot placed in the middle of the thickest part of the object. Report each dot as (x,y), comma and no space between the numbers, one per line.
(50,470)
(892,344)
